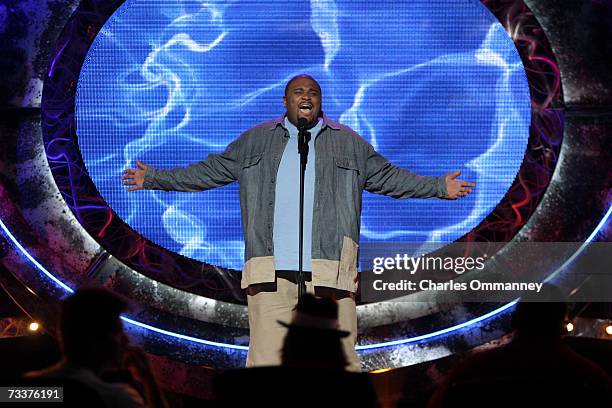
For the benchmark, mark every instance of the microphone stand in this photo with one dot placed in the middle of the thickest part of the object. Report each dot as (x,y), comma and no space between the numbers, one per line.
(303,139)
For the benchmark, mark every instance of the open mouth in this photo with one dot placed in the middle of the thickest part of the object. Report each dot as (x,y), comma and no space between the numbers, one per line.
(305,107)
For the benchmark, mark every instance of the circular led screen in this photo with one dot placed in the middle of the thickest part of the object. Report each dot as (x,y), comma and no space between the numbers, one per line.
(433,86)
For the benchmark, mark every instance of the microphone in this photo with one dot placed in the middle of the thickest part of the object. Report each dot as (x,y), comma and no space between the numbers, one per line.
(302,123)
(303,139)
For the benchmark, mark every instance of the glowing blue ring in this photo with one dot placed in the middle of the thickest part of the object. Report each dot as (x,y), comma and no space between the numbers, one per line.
(364,347)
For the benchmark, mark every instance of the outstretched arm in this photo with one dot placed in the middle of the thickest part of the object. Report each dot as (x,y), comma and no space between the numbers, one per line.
(382,177)
(217,170)
(134,178)
(457,188)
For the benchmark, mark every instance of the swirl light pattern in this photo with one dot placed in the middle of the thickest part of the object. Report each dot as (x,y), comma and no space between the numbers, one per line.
(170,82)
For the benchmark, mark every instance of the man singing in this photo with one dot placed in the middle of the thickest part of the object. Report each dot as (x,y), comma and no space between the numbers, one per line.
(265,161)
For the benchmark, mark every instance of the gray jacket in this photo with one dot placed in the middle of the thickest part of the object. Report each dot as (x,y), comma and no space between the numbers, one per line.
(345,166)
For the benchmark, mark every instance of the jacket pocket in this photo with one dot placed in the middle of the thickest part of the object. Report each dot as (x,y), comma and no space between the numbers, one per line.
(346,163)
(251,161)
(347,186)
(251,168)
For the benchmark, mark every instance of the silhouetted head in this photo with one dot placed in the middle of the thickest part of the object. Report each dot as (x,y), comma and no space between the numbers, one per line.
(91,332)
(314,338)
(541,314)
(302,99)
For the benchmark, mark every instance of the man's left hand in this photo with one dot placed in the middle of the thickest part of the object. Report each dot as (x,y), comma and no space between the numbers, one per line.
(457,188)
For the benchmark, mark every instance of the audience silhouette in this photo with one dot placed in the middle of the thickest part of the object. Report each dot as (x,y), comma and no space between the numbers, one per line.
(313,367)
(96,353)
(535,369)
(314,337)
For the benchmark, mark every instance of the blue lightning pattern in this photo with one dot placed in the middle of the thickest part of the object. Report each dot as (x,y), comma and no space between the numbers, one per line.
(434,86)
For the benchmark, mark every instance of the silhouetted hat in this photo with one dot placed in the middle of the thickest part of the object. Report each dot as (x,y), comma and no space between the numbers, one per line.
(316,314)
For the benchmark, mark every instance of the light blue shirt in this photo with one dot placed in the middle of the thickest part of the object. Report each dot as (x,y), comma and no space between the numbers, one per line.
(287,203)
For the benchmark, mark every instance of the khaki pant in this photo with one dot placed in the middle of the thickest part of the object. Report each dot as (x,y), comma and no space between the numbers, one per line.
(270,302)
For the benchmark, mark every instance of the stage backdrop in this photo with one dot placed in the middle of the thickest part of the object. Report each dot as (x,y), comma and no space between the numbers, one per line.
(433,86)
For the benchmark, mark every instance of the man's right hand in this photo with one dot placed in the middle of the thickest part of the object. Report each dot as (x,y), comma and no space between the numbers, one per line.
(134,177)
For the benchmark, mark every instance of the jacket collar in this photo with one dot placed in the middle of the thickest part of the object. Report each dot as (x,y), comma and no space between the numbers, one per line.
(326,122)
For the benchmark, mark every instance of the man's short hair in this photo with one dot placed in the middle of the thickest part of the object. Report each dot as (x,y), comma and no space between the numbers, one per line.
(301,76)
